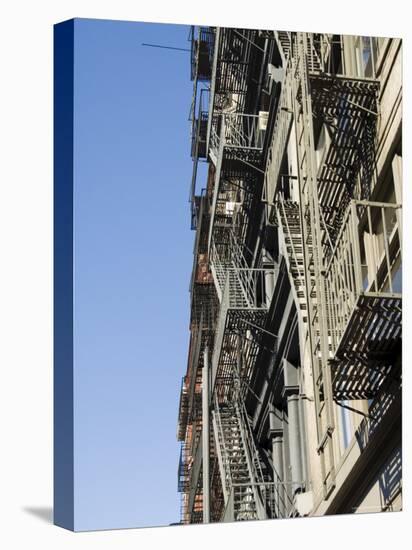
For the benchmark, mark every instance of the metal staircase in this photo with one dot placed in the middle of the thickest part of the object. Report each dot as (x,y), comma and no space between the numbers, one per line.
(312,241)
(280,138)
(342,252)
(347,108)
(288,214)
(284,43)
(227,271)
(228,264)
(239,463)
(287,47)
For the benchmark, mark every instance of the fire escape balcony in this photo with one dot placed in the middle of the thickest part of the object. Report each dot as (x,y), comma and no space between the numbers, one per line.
(242,315)
(183,411)
(183,475)
(234,54)
(364,299)
(183,483)
(199,124)
(347,106)
(202,338)
(236,149)
(198,139)
(199,129)
(201,52)
(347,110)
(202,48)
(238,136)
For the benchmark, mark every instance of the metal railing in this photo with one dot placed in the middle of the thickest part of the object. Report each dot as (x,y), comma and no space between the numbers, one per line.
(329,51)
(238,131)
(201,52)
(247,287)
(220,333)
(214,144)
(243,454)
(183,410)
(361,261)
(275,497)
(183,474)
(242,131)
(280,136)
(249,438)
(326,52)
(244,286)
(223,454)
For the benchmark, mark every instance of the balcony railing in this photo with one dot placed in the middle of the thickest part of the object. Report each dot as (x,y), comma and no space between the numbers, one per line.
(275,497)
(183,474)
(243,131)
(364,299)
(201,55)
(233,58)
(183,410)
(237,131)
(240,137)
(325,53)
(280,137)
(199,124)
(243,309)
(243,287)
(198,149)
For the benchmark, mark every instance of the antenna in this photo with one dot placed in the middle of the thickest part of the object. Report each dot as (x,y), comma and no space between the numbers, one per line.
(166,47)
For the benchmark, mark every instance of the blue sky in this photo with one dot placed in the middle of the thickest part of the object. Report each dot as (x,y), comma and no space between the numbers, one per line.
(133,257)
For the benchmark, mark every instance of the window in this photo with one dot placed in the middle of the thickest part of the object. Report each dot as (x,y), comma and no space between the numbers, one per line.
(365,55)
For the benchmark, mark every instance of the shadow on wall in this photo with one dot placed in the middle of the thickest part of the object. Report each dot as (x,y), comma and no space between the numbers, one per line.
(390,396)
(44,513)
(390,479)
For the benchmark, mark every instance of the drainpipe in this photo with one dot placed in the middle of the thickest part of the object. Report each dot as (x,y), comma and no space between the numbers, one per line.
(205,437)
(294,441)
(291,394)
(303,441)
(276,434)
(269,277)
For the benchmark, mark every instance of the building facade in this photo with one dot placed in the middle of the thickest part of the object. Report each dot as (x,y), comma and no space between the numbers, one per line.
(291,401)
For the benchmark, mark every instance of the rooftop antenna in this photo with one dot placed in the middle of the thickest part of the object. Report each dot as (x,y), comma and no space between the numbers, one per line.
(166,47)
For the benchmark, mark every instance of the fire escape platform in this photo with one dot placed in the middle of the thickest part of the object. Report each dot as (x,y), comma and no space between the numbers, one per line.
(364,356)
(232,322)
(364,309)
(336,101)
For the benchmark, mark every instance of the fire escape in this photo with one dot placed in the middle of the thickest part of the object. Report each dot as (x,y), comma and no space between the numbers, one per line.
(342,247)
(202,292)
(236,148)
(342,250)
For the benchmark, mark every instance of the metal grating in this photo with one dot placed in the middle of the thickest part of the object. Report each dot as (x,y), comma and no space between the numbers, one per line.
(368,349)
(201,52)
(348,107)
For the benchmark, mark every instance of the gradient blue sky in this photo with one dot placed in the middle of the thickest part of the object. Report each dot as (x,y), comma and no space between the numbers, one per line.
(133,257)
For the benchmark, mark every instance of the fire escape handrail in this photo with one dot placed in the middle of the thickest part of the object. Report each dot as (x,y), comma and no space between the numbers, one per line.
(280,134)
(222,447)
(349,217)
(346,257)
